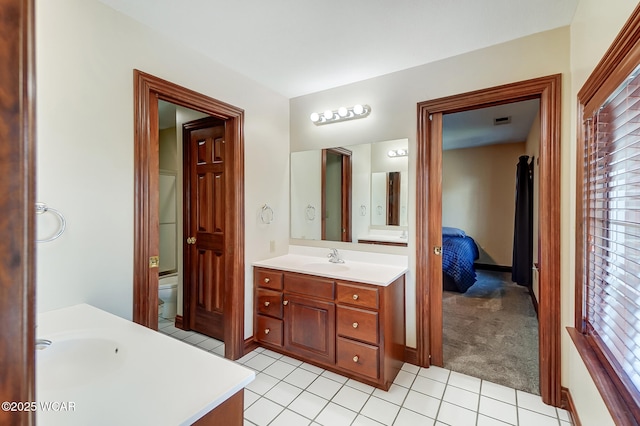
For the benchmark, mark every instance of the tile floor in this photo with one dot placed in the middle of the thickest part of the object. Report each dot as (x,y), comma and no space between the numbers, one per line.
(288,392)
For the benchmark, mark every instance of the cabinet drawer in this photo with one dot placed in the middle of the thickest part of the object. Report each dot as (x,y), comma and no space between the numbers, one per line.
(267,278)
(357,295)
(310,286)
(358,324)
(358,357)
(269,302)
(268,330)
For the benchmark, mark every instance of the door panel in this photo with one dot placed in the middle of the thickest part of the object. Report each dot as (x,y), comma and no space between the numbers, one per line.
(310,328)
(205,169)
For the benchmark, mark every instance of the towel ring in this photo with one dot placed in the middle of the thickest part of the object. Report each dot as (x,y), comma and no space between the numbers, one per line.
(266,214)
(42,208)
(310,212)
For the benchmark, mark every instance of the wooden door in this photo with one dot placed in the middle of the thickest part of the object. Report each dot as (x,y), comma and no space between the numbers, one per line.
(205,171)
(309,328)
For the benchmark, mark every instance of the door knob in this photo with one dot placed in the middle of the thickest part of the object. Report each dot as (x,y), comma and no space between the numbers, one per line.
(191,240)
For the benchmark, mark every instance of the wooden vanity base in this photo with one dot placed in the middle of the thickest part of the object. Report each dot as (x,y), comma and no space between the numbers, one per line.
(350,328)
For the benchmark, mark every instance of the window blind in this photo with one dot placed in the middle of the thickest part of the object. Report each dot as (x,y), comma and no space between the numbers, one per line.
(611,207)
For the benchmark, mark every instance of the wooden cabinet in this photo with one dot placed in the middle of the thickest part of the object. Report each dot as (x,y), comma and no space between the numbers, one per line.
(354,329)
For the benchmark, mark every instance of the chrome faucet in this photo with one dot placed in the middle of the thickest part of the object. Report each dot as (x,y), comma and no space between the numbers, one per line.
(334,256)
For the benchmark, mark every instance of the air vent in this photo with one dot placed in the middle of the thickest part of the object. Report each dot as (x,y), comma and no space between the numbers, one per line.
(501,120)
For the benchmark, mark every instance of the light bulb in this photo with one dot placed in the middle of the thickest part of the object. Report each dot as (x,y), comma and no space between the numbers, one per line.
(358,109)
(314,117)
(328,115)
(392,153)
(342,112)
(402,152)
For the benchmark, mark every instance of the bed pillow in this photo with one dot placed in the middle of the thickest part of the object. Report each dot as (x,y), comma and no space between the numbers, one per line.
(452,232)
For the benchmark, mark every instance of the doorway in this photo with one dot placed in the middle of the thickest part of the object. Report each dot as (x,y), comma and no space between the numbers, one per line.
(429,220)
(336,194)
(148,90)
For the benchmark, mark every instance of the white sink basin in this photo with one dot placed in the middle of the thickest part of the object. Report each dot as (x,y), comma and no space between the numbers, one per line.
(76,360)
(326,267)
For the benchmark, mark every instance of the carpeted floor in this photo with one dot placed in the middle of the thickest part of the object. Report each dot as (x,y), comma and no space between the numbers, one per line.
(491,332)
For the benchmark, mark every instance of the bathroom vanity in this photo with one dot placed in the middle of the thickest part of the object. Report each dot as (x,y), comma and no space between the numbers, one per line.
(102,369)
(347,318)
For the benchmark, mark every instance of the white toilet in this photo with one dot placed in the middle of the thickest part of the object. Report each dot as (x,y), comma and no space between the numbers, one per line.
(168,293)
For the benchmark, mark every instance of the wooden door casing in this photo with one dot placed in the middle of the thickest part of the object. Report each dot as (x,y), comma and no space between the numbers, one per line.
(17,245)
(204,220)
(345,192)
(148,89)
(428,233)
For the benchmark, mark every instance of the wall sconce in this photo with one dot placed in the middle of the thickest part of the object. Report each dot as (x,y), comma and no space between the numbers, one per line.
(341,114)
(398,153)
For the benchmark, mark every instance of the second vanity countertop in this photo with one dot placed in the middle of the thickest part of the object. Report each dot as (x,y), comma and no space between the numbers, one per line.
(352,270)
(110,371)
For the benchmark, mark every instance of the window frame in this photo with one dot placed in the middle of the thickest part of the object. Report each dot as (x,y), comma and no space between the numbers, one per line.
(618,62)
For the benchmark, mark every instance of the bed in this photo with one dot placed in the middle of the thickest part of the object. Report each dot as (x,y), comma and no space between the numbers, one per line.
(459,252)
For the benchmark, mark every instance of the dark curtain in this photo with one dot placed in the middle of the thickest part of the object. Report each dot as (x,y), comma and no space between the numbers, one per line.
(522,264)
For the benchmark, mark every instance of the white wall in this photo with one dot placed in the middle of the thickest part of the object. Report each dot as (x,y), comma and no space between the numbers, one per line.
(478,196)
(86,53)
(594,27)
(393,100)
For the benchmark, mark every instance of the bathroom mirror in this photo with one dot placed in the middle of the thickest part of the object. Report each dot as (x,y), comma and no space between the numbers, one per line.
(372,185)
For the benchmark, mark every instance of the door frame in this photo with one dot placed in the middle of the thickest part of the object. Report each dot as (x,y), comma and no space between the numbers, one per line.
(345,198)
(148,89)
(429,220)
(18,186)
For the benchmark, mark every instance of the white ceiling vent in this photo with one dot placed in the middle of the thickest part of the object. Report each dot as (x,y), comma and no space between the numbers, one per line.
(501,120)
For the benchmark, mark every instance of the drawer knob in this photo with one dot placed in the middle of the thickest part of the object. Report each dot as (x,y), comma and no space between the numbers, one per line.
(355,297)
(355,325)
(285,303)
(266,331)
(356,358)
(266,303)
(266,280)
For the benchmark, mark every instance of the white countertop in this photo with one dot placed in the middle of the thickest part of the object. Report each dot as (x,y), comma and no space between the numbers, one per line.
(371,273)
(116,372)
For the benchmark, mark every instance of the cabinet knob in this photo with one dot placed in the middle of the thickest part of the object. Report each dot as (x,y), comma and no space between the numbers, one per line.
(356,358)
(355,297)
(266,280)
(266,331)
(285,303)
(266,303)
(355,325)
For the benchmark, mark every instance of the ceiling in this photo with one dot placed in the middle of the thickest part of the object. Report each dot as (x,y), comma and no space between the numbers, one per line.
(297,47)
(475,128)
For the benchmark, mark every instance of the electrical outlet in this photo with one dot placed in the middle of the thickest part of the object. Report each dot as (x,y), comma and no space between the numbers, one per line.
(272,246)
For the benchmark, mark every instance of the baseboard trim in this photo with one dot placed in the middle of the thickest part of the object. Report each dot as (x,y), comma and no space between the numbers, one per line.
(411,355)
(568,404)
(179,322)
(489,267)
(249,345)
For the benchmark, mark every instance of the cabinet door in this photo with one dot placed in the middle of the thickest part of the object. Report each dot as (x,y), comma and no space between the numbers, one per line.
(309,328)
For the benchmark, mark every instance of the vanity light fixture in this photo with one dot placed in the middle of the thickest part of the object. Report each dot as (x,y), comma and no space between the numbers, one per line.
(398,152)
(341,114)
